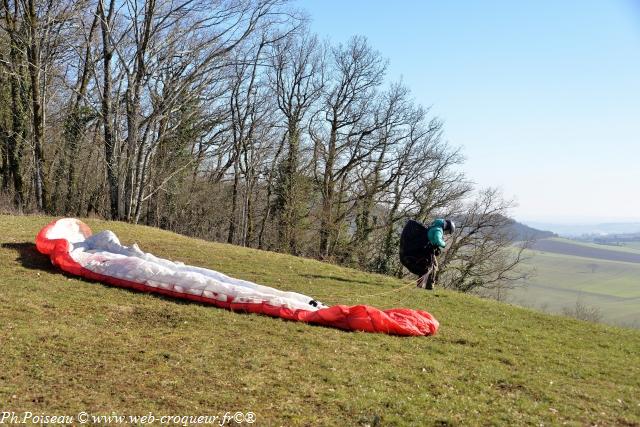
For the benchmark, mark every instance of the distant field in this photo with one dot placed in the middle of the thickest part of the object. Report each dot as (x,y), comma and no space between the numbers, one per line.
(631,245)
(569,247)
(634,247)
(567,272)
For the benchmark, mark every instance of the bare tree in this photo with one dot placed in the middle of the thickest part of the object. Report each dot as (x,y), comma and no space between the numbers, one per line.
(376,174)
(426,179)
(481,254)
(582,311)
(46,24)
(341,129)
(297,79)
(79,113)
(107,20)
(228,120)
(16,135)
(35,73)
(247,107)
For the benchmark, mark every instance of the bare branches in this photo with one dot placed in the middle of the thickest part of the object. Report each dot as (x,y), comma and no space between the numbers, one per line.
(230,120)
(482,253)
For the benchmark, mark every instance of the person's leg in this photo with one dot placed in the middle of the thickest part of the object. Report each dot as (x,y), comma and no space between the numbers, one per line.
(432,273)
(429,280)
(421,283)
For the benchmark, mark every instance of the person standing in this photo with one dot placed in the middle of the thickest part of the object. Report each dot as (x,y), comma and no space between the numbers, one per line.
(420,247)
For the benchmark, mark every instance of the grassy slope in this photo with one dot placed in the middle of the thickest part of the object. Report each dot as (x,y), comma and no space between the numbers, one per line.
(70,345)
(560,279)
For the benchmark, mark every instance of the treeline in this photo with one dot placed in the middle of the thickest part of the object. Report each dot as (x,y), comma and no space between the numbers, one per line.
(229,120)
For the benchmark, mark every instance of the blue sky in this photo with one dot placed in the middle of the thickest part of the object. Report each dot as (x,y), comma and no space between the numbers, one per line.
(543,96)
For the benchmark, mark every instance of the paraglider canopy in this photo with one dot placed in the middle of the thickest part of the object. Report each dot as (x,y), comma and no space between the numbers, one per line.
(71,246)
(414,242)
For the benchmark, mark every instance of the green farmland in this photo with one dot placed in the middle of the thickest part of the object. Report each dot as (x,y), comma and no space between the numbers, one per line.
(562,280)
(631,245)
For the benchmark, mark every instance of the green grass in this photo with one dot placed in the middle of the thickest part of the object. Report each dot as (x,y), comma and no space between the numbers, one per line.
(70,345)
(603,277)
(560,280)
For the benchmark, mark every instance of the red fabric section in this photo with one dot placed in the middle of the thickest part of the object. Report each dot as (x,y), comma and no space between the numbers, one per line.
(396,321)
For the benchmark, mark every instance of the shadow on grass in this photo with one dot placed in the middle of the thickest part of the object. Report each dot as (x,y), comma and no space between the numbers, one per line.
(331,277)
(29,256)
(343,279)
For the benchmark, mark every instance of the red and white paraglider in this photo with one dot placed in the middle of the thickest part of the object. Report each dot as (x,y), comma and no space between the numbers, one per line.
(72,247)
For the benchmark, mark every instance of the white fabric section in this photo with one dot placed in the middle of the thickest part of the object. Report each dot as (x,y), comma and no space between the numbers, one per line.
(102,253)
(67,228)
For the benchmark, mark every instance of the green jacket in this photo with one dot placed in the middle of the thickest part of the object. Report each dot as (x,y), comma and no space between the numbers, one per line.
(436,233)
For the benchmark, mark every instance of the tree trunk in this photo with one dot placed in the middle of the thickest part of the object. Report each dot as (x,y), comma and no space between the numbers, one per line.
(76,122)
(234,203)
(4,153)
(133,150)
(265,217)
(289,222)
(4,141)
(248,235)
(328,184)
(107,112)
(18,131)
(34,63)
(388,247)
